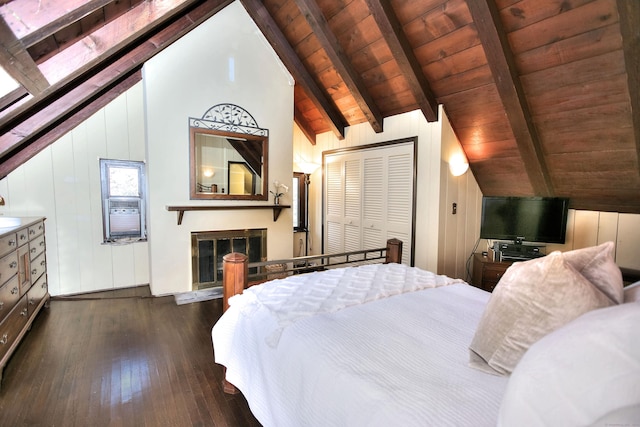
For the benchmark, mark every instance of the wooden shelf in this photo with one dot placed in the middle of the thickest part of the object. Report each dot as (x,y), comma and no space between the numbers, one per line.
(182,209)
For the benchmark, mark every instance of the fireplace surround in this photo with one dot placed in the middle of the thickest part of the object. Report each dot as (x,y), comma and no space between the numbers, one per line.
(208,248)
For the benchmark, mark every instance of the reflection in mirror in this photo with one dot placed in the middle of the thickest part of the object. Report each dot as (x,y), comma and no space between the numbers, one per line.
(228,165)
(242,178)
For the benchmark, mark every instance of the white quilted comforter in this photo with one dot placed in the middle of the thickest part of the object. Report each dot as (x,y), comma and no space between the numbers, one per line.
(375,345)
(300,296)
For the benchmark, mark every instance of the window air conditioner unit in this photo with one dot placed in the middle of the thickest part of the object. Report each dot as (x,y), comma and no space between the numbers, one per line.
(124,219)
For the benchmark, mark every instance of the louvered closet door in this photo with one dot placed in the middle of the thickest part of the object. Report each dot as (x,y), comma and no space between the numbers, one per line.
(369,198)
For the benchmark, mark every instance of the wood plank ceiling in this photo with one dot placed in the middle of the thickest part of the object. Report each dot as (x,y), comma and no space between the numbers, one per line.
(544,95)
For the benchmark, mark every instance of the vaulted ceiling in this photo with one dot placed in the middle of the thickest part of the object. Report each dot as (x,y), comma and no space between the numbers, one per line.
(544,95)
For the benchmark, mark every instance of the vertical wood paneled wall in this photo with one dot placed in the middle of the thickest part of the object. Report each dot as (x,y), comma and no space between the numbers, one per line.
(62,183)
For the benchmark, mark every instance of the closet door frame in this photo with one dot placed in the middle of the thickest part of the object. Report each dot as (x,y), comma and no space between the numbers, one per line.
(380,145)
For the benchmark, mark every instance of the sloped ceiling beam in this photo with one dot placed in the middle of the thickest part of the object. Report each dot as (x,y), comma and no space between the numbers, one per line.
(139,22)
(288,56)
(66,123)
(402,51)
(341,62)
(58,24)
(18,63)
(496,46)
(629,12)
(299,119)
(38,128)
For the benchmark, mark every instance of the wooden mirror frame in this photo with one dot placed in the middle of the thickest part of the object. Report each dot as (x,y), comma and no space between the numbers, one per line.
(193,183)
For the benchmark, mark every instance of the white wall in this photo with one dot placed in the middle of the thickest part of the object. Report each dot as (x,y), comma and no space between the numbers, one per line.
(62,183)
(458,232)
(429,155)
(224,60)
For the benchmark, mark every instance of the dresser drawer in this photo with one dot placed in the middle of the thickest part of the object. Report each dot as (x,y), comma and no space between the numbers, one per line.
(493,272)
(9,295)
(8,243)
(22,236)
(36,294)
(8,267)
(38,267)
(36,246)
(12,325)
(36,229)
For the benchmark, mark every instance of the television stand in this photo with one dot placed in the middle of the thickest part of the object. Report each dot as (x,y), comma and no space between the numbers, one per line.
(510,252)
(486,272)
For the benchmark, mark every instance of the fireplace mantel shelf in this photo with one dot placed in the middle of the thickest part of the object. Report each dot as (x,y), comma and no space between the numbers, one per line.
(182,209)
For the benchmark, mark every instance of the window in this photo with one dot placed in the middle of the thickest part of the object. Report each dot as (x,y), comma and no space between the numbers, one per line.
(123,200)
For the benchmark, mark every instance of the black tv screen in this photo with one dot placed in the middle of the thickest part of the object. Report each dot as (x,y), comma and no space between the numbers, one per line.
(532,219)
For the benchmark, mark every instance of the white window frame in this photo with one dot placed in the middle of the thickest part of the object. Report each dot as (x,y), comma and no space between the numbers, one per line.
(123,217)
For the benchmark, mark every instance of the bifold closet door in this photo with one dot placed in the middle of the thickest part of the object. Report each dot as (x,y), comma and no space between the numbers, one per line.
(369,198)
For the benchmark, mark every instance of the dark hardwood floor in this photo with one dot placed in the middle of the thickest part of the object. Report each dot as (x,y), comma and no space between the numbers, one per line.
(118,359)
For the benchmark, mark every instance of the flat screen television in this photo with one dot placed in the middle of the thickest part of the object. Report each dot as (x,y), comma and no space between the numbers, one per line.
(519,219)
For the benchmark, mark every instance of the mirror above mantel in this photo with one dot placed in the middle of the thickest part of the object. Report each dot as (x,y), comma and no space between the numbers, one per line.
(228,155)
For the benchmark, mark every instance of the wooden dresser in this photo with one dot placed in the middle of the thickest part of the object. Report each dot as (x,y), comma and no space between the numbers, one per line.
(23,277)
(487,273)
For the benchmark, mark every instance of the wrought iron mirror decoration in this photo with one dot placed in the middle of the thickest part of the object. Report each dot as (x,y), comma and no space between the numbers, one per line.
(228,155)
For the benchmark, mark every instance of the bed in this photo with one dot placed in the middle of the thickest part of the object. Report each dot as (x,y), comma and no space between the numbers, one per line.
(388,344)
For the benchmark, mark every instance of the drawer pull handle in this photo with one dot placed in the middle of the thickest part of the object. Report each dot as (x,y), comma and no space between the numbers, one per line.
(24,312)
(13,264)
(33,250)
(42,243)
(12,242)
(34,271)
(14,290)
(22,237)
(32,232)
(4,339)
(32,301)
(43,263)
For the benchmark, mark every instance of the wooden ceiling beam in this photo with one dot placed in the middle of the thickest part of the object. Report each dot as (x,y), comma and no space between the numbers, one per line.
(65,124)
(141,22)
(62,22)
(629,15)
(19,136)
(320,27)
(501,61)
(13,97)
(303,124)
(392,31)
(18,63)
(290,59)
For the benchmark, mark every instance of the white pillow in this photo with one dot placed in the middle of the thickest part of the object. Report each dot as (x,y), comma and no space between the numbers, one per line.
(632,292)
(585,373)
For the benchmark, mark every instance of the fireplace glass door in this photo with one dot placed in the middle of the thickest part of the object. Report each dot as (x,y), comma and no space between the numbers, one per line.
(209,247)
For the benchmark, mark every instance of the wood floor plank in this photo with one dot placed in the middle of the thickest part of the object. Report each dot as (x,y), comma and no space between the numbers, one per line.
(120,359)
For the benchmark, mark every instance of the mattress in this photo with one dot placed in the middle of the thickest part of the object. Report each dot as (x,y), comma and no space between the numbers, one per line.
(394,355)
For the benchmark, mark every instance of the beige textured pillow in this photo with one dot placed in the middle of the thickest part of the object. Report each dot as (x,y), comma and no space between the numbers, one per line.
(632,292)
(532,299)
(598,266)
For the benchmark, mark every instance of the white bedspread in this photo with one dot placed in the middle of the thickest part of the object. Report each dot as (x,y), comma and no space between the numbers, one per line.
(401,360)
(300,296)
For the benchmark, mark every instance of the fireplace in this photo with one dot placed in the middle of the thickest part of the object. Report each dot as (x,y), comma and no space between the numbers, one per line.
(208,248)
